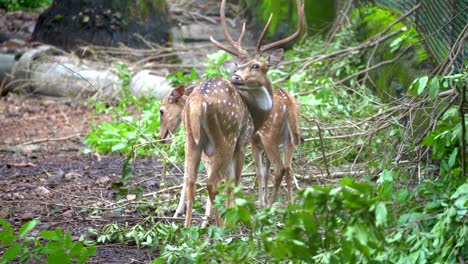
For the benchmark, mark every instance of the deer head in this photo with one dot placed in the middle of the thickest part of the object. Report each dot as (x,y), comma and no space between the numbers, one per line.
(250,75)
(170,113)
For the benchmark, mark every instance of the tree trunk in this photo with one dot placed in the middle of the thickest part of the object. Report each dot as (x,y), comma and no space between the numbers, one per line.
(71,23)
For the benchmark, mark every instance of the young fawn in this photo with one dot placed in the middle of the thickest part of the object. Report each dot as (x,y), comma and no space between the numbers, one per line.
(221,116)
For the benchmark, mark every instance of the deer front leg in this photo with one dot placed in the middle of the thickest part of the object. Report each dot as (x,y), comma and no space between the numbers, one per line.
(208,210)
(192,161)
(261,172)
(180,206)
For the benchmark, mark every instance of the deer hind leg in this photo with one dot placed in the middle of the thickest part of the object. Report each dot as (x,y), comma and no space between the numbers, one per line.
(218,172)
(192,162)
(180,206)
(273,153)
(206,222)
(288,155)
(212,187)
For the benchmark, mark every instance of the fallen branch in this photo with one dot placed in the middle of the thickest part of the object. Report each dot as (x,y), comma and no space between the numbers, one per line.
(50,139)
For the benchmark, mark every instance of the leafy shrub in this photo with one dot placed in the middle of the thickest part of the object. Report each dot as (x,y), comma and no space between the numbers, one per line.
(445,139)
(134,122)
(50,247)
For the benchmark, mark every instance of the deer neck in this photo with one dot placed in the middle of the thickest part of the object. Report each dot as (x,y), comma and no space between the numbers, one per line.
(259,101)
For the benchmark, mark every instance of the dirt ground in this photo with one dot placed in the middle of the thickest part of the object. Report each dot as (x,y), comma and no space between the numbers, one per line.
(45,175)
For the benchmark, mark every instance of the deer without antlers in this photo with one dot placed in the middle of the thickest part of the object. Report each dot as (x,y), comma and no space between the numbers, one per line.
(220,118)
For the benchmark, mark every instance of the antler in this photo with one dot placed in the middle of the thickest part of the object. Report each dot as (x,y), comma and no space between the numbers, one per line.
(259,49)
(237,51)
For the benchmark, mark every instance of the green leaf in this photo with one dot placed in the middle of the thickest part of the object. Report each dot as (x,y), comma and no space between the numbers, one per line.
(12,252)
(422,83)
(28,226)
(68,241)
(386,190)
(244,215)
(77,249)
(309,100)
(58,259)
(462,190)
(49,235)
(453,157)
(6,237)
(412,89)
(402,196)
(52,248)
(118,147)
(434,88)
(380,214)
(6,225)
(240,201)
(385,176)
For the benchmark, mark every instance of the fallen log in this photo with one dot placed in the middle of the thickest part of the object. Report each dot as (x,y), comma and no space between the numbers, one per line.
(47,70)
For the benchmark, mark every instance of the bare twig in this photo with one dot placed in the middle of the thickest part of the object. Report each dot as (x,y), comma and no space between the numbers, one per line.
(51,139)
(323,148)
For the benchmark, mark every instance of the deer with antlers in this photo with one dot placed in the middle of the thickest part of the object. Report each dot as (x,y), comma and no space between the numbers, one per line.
(281,128)
(221,116)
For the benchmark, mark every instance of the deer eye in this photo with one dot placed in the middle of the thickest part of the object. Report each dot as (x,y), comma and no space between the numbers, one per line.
(256,66)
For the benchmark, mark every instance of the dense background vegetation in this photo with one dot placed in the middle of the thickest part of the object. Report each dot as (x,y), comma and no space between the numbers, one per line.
(13,5)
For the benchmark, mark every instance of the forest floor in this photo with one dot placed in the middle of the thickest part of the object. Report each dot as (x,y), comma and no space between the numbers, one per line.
(44,173)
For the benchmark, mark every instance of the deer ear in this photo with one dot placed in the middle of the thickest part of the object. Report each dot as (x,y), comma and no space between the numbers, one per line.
(232,66)
(275,57)
(177,93)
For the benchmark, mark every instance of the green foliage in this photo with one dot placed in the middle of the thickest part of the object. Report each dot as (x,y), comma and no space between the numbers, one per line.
(433,231)
(179,78)
(445,139)
(391,81)
(133,126)
(49,247)
(352,223)
(330,225)
(13,5)
(319,15)
(214,64)
(332,103)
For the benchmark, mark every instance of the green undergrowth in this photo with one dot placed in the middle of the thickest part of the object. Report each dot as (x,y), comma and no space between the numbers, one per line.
(133,125)
(351,223)
(46,247)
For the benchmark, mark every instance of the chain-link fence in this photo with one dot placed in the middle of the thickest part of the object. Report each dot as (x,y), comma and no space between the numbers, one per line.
(439,21)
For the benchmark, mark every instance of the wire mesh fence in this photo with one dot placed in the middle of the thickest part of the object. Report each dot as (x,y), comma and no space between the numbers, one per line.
(439,21)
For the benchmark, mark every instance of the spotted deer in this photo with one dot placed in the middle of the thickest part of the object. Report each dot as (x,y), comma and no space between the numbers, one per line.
(281,128)
(221,116)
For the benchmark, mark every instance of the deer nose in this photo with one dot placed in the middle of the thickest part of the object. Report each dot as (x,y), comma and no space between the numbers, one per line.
(236,79)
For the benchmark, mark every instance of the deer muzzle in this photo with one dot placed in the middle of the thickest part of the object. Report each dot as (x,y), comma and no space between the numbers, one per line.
(237,80)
